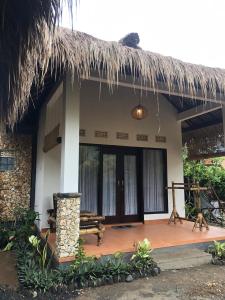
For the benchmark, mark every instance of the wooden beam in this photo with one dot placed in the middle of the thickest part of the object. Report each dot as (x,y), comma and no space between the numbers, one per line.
(159,88)
(50,140)
(205,156)
(197,111)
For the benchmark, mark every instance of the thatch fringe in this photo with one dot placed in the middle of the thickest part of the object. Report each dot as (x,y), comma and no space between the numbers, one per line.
(205,142)
(26,29)
(81,54)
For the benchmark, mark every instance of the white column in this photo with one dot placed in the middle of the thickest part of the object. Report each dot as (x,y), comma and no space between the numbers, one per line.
(70,136)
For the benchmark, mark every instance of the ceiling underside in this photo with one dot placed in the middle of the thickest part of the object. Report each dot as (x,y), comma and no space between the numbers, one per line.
(201,121)
(39,96)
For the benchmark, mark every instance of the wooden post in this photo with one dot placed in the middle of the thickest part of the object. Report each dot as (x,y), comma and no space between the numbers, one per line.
(174,215)
(200,218)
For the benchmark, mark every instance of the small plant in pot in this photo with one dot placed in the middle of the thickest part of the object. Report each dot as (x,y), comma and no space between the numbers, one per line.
(218,253)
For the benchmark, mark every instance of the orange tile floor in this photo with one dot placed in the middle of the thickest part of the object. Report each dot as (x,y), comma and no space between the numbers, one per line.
(160,235)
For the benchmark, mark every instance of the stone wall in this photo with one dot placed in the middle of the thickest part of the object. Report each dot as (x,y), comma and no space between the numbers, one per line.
(15,185)
(67,224)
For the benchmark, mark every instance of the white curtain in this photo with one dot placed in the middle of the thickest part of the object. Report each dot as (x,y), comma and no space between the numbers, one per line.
(153,180)
(88,177)
(130,185)
(109,185)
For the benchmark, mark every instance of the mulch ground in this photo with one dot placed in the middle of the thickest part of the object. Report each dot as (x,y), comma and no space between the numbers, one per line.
(205,282)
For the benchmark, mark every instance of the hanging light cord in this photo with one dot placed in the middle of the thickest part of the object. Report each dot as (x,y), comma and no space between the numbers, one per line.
(158,113)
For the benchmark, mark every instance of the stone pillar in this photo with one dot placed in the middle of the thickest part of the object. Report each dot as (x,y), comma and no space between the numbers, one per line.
(67,224)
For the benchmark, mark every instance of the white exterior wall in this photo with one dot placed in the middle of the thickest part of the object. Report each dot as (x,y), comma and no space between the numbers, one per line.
(49,163)
(105,111)
(111,112)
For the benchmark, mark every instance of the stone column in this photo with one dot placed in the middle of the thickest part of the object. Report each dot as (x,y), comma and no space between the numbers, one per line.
(67,224)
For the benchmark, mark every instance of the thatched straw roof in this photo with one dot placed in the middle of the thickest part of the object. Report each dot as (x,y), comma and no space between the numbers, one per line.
(205,142)
(26,29)
(81,54)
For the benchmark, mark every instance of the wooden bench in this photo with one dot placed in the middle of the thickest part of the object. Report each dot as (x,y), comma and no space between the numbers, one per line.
(90,223)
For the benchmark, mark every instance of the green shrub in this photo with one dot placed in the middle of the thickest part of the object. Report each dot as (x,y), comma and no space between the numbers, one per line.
(7,236)
(217,250)
(142,261)
(33,266)
(32,276)
(24,222)
(90,271)
(40,251)
(213,175)
(35,273)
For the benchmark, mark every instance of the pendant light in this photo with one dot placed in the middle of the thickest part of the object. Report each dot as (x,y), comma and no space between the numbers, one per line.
(139,112)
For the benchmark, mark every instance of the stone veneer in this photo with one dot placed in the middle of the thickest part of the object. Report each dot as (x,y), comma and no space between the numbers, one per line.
(17,183)
(67,224)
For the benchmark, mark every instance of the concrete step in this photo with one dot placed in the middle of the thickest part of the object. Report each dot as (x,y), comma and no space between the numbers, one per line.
(181,258)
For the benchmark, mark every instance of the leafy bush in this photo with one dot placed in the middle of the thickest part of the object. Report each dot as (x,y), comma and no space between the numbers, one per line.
(190,210)
(40,252)
(142,261)
(24,222)
(217,250)
(213,175)
(90,271)
(15,232)
(35,273)
(6,237)
(34,268)
(32,276)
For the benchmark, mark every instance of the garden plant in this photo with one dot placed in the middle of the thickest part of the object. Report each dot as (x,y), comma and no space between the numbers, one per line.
(38,273)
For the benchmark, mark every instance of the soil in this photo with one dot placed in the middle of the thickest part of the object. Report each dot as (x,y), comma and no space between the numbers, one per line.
(205,282)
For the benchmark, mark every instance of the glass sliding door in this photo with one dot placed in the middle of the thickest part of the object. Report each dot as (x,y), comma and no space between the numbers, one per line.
(154,180)
(122,183)
(130,185)
(119,184)
(89,177)
(109,185)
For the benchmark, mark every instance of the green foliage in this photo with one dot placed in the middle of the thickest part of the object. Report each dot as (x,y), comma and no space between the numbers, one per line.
(12,233)
(217,250)
(90,271)
(213,175)
(40,251)
(7,235)
(24,222)
(31,275)
(190,210)
(35,273)
(142,261)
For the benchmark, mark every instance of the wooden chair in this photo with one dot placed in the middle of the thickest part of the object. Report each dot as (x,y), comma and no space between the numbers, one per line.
(90,223)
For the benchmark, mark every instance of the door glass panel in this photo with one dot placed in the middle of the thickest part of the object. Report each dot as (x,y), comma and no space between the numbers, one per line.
(130,185)
(109,185)
(153,181)
(88,177)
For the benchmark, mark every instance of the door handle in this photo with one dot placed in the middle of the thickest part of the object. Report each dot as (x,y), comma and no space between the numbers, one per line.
(122,184)
(118,182)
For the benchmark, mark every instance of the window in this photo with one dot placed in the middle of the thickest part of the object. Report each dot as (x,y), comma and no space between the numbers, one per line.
(7,160)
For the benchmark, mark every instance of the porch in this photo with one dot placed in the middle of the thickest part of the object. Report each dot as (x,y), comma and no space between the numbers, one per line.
(159,233)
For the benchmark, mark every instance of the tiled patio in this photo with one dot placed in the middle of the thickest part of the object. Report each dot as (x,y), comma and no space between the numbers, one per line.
(159,233)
